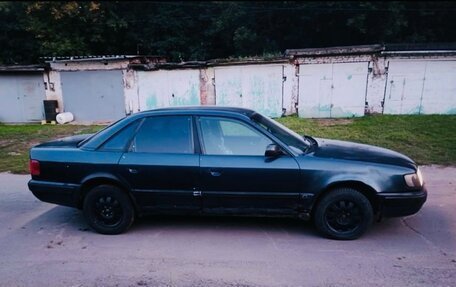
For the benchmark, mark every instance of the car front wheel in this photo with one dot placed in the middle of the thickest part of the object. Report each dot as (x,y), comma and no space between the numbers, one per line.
(343,214)
(108,209)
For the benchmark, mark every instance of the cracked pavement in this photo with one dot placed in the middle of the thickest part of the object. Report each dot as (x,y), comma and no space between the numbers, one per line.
(48,245)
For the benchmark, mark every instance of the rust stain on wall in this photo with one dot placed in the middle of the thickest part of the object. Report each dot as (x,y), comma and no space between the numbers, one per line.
(203,86)
(129,79)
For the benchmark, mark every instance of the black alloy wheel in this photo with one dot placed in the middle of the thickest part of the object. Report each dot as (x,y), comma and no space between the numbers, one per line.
(108,209)
(344,214)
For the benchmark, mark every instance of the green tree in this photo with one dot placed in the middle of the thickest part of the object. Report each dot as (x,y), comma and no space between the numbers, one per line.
(184,30)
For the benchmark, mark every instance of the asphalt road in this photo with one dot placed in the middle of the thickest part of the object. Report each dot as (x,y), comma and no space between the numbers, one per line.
(47,245)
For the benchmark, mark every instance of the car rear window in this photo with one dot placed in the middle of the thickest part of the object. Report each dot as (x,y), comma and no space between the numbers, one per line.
(119,141)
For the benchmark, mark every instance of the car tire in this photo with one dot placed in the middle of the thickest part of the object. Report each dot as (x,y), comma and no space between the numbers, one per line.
(108,209)
(343,214)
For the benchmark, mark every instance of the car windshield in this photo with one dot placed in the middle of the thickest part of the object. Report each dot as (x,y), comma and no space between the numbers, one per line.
(296,142)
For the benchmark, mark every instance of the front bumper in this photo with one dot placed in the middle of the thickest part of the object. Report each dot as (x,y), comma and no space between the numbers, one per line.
(55,192)
(402,204)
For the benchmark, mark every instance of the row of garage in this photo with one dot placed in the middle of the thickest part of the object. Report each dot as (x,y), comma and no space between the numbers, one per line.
(338,83)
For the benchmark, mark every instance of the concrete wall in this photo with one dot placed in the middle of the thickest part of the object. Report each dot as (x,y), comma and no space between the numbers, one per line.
(376,82)
(53,88)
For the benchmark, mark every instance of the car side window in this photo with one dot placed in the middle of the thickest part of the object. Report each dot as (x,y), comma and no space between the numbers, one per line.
(119,141)
(223,136)
(167,134)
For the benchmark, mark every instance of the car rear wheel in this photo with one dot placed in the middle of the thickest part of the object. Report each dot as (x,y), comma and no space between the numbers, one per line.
(343,214)
(108,209)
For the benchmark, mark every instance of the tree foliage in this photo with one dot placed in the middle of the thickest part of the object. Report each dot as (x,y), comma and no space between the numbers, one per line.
(185,30)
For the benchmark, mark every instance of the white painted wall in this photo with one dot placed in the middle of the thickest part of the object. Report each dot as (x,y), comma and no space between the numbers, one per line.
(290,88)
(131,87)
(90,65)
(376,85)
(54,88)
(207,86)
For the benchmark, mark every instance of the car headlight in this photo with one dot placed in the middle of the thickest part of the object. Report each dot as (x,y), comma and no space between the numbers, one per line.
(414,179)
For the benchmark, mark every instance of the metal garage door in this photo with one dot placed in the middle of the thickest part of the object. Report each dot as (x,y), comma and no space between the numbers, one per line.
(439,89)
(93,95)
(159,89)
(257,87)
(420,87)
(21,97)
(332,90)
(404,87)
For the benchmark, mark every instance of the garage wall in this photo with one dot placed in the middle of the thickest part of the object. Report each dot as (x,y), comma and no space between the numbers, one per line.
(21,97)
(315,86)
(376,82)
(332,89)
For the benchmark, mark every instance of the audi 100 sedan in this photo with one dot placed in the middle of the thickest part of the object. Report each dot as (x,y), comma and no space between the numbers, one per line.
(223,161)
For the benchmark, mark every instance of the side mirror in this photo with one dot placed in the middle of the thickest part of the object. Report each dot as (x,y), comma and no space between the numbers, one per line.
(273,150)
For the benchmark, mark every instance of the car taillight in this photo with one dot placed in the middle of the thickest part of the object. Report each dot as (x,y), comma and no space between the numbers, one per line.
(34,167)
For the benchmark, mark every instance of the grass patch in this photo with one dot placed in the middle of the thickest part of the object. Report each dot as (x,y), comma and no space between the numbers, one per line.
(16,140)
(429,139)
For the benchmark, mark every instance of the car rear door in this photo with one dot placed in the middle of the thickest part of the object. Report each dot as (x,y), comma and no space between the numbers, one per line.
(161,165)
(236,177)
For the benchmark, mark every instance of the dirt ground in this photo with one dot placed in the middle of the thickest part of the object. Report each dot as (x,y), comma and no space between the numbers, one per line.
(47,245)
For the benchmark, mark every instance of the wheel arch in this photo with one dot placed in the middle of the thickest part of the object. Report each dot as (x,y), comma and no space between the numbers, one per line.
(104,179)
(369,192)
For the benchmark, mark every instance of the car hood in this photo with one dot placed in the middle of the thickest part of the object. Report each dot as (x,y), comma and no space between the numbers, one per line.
(360,152)
(71,141)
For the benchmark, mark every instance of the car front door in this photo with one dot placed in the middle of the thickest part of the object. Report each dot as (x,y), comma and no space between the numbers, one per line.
(236,177)
(161,164)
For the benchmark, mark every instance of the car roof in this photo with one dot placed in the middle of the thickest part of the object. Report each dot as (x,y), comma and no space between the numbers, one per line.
(199,109)
(103,135)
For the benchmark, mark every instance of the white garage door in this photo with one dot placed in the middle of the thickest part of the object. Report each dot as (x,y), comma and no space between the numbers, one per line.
(421,87)
(404,87)
(257,87)
(93,95)
(21,97)
(160,89)
(332,90)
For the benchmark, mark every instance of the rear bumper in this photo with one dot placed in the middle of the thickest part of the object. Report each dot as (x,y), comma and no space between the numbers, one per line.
(402,204)
(55,192)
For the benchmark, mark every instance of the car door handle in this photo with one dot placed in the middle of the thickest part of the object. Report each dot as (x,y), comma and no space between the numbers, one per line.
(132,170)
(215,173)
